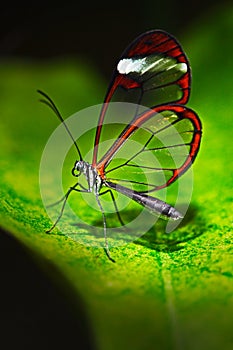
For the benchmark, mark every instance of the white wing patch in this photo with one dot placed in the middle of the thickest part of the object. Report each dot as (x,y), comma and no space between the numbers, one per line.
(128,65)
(181,67)
(140,65)
(152,63)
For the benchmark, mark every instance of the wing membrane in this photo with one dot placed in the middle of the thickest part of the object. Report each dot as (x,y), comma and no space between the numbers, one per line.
(154,150)
(152,71)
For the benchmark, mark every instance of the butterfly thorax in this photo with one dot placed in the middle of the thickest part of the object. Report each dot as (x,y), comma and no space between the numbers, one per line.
(94,181)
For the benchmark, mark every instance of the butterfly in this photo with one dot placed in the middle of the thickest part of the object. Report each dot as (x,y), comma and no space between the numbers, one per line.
(152,72)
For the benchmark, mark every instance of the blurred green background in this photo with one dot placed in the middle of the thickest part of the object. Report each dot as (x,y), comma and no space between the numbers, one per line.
(172,292)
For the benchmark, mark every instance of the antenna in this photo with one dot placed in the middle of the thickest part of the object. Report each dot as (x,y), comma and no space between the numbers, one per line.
(49,102)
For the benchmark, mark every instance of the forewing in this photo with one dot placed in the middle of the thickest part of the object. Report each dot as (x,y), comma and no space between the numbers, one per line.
(152,71)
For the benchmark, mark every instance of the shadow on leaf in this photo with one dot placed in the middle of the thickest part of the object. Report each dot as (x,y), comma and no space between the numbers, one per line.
(190,228)
(156,238)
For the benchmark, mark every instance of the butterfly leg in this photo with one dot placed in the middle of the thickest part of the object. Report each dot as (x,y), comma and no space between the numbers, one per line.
(105,230)
(115,205)
(64,199)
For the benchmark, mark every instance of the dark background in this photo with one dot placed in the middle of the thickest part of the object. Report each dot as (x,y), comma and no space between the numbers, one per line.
(34,312)
(97,31)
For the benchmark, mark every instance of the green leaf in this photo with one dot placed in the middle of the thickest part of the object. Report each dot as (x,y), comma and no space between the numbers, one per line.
(164,291)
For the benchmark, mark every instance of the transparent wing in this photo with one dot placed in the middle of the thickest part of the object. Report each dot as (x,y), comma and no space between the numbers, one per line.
(154,150)
(152,71)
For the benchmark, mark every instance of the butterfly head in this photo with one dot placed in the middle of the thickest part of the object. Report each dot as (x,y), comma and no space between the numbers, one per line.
(78,168)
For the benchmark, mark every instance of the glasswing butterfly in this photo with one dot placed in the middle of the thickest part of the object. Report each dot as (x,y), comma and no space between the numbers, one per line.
(153,71)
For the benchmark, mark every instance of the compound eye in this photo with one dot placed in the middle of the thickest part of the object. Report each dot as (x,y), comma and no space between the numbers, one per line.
(75,172)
